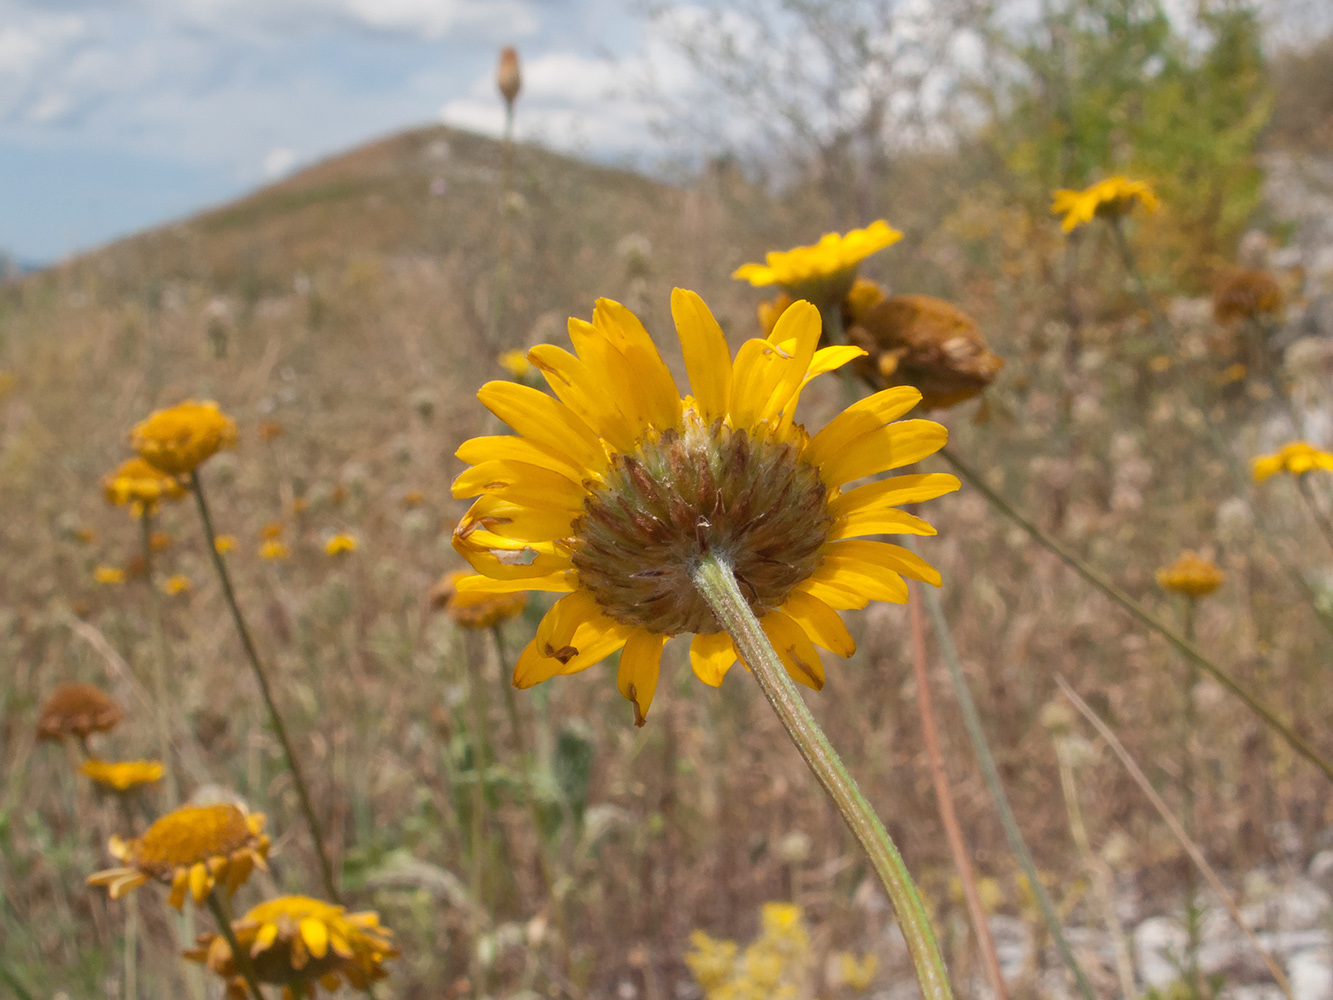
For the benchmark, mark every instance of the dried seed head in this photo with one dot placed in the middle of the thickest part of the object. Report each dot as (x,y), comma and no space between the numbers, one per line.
(77,710)
(702,489)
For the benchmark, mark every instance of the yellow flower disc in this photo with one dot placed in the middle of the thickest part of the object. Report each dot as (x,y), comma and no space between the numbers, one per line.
(611,492)
(137,484)
(176,440)
(1296,458)
(296,941)
(192,849)
(1111,198)
(824,272)
(122,775)
(1191,575)
(77,710)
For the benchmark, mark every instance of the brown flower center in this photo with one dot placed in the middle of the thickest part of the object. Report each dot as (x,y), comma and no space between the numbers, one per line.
(691,492)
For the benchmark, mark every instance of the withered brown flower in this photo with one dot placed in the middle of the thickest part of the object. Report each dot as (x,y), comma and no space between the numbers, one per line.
(77,710)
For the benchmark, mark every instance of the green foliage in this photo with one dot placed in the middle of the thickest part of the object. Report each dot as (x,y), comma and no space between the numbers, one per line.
(1116,86)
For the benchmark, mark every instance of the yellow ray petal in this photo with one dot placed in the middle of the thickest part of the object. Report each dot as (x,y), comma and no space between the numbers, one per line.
(861,418)
(858,579)
(201,883)
(575,385)
(880,521)
(592,643)
(180,885)
(884,555)
(513,448)
(513,520)
(566,616)
(890,447)
(794,648)
(556,583)
(315,934)
(640,662)
(653,387)
(711,656)
(521,483)
(894,492)
(707,358)
(264,939)
(525,564)
(547,421)
(820,622)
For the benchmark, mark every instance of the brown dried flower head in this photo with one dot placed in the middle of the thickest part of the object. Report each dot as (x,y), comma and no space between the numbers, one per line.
(927,343)
(474,610)
(1243,295)
(77,710)
(1192,575)
(507,76)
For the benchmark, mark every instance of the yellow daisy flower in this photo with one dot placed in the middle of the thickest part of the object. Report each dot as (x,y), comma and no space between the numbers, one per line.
(122,775)
(1296,458)
(176,584)
(109,575)
(296,942)
(340,544)
(224,544)
(140,486)
(77,710)
(176,440)
(611,491)
(192,849)
(857,974)
(824,272)
(475,610)
(1192,575)
(274,551)
(1110,198)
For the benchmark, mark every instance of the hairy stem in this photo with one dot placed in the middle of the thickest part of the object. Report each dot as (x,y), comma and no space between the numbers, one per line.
(221,911)
(261,676)
(717,585)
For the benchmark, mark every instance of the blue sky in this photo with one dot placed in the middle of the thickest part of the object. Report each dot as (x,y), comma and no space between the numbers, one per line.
(116,115)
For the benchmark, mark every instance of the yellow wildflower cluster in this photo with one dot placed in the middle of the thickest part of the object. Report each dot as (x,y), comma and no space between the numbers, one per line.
(140,486)
(775,966)
(1296,458)
(122,775)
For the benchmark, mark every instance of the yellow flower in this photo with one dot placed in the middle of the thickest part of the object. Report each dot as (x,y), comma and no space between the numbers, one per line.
(176,584)
(77,710)
(140,486)
(713,962)
(109,574)
(857,974)
(516,363)
(176,440)
(271,531)
(824,272)
(474,610)
(784,922)
(274,550)
(192,849)
(224,544)
(1191,574)
(610,492)
(1297,458)
(1110,198)
(340,544)
(122,775)
(863,296)
(296,942)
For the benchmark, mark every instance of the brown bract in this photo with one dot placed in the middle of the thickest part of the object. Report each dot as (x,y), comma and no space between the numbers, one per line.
(927,343)
(77,710)
(1245,295)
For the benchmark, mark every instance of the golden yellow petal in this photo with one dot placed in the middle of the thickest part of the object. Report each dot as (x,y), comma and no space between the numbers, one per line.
(567,615)
(652,389)
(512,520)
(575,385)
(545,421)
(861,580)
(890,447)
(201,883)
(180,885)
(591,644)
(268,933)
(863,417)
(711,656)
(512,448)
(521,483)
(884,555)
(880,521)
(315,934)
(794,648)
(640,662)
(525,564)
(820,622)
(556,583)
(893,492)
(707,358)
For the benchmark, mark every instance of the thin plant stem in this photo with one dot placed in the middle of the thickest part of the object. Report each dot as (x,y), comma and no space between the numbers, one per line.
(1187,778)
(1177,830)
(1320,515)
(1092,576)
(261,676)
(944,799)
(530,797)
(716,583)
(132,946)
(502,266)
(1101,876)
(161,660)
(1240,483)
(989,773)
(19,989)
(480,753)
(221,911)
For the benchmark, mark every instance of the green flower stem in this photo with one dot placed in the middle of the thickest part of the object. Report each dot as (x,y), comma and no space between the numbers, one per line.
(477,827)
(1239,481)
(972,723)
(717,585)
(1189,649)
(1187,777)
(221,911)
(302,791)
(161,660)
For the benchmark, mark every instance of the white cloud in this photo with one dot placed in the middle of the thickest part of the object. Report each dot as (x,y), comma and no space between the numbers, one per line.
(279,161)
